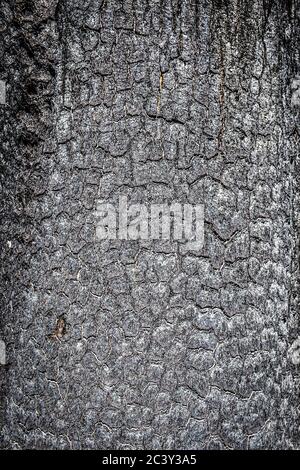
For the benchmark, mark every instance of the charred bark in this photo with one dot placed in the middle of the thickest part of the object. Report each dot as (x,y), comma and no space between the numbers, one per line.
(124,344)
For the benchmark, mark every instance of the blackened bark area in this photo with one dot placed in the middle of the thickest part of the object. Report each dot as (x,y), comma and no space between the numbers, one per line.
(189,101)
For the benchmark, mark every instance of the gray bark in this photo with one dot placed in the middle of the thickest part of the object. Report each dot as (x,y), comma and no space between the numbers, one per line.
(167,100)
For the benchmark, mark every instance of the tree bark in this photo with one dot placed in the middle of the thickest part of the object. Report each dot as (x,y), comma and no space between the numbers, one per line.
(162,101)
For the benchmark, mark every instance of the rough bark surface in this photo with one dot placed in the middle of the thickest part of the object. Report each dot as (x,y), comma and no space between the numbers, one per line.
(162,100)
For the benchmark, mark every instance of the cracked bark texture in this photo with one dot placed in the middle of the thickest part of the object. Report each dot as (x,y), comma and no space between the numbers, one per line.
(166,100)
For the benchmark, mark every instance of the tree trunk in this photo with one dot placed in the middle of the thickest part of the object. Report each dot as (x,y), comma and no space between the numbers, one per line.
(160,347)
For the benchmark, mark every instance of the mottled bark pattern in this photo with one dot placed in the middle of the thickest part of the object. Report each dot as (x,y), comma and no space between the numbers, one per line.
(161,100)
